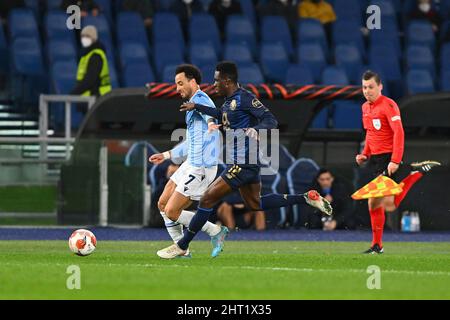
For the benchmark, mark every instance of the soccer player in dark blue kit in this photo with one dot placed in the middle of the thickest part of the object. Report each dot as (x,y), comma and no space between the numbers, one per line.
(245,114)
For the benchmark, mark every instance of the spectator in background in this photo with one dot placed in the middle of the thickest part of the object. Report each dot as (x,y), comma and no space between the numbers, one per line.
(233,213)
(425,11)
(283,8)
(339,197)
(7,6)
(221,9)
(143,7)
(93,72)
(184,10)
(320,10)
(88,7)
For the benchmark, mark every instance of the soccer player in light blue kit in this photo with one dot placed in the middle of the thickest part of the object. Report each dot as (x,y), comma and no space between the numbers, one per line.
(199,170)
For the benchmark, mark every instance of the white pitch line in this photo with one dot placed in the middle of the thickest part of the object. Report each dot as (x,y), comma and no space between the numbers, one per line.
(310,270)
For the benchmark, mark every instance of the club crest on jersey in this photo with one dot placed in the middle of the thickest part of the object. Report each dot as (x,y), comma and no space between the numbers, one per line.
(233,105)
(376,124)
(256,103)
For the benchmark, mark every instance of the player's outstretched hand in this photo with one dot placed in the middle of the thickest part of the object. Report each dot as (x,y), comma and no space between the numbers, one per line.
(187,106)
(360,159)
(252,133)
(156,158)
(213,127)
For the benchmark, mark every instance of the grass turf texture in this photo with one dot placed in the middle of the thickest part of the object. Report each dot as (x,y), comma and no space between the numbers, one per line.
(245,270)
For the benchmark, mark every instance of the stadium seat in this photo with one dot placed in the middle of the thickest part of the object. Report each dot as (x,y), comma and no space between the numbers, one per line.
(250,73)
(320,121)
(387,8)
(60,50)
(136,75)
(203,28)
(101,23)
(238,29)
(420,32)
(166,53)
(420,57)
(248,9)
(419,81)
(348,33)
(106,9)
(384,56)
(274,61)
(300,177)
(53,4)
(113,75)
(348,57)
(163,5)
(238,52)
(130,28)
(55,27)
(333,75)
(208,74)
(445,56)
(22,23)
(347,115)
(201,54)
(312,55)
(312,31)
(299,74)
(134,156)
(168,73)
(445,80)
(167,28)
(27,56)
(275,29)
(349,10)
(386,37)
(132,53)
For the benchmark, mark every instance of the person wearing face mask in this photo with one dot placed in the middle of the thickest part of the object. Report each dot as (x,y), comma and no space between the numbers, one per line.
(184,10)
(221,9)
(425,11)
(93,73)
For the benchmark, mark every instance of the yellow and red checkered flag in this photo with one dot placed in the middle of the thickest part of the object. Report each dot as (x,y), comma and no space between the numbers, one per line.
(381,186)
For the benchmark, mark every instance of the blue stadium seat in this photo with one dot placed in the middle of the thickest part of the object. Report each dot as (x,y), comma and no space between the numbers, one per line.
(320,121)
(420,32)
(63,76)
(208,73)
(419,81)
(3,52)
(55,27)
(420,57)
(27,56)
(300,177)
(445,28)
(101,23)
(349,10)
(312,31)
(130,28)
(385,37)
(239,29)
(334,75)
(445,80)
(250,73)
(53,4)
(167,28)
(106,9)
(22,23)
(113,75)
(203,28)
(202,54)
(299,74)
(275,29)
(136,75)
(238,52)
(60,50)
(132,53)
(348,33)
(348,57)
(312,54)
(445,56)
(166,53)
(274,61)
(384,56)
(168,73)
(163,5)
(388,9)
(248,9)
(347,115)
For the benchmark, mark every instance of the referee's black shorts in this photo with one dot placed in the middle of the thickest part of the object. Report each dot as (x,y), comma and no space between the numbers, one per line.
(378,164)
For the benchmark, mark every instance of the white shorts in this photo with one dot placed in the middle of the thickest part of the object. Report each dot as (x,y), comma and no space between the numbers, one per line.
(191,181)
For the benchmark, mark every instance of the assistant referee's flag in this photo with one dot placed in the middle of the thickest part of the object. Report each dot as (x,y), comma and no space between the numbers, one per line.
(381,186)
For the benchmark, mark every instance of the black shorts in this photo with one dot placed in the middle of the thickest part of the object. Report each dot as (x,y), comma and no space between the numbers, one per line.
(238,175)
(379,163)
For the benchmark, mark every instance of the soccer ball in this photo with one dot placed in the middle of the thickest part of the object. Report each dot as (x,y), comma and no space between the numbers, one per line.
(82,242)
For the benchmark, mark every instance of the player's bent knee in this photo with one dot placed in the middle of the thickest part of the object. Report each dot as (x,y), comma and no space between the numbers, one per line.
(161,206)
(172,213)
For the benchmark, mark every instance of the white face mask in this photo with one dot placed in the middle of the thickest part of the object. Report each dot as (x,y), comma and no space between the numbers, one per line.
(226,3)
(187,1)
(424,7)
(86,42)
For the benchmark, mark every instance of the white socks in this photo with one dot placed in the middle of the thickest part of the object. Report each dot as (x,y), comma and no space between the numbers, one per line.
(174,229)
(210,228)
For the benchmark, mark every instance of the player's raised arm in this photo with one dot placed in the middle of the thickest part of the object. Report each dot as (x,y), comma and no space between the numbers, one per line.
(213,112)
(265,118)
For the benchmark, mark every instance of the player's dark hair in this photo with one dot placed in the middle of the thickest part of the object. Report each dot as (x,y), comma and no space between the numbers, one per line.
(228,70)
(191,72)
(369,74)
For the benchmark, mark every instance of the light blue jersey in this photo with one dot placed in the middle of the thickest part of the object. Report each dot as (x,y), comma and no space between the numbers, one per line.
(201,147)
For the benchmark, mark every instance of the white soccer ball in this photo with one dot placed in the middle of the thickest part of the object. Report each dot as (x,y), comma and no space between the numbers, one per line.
(82,242)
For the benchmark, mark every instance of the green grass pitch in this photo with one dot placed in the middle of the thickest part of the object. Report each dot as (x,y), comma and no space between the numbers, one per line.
(245,270)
